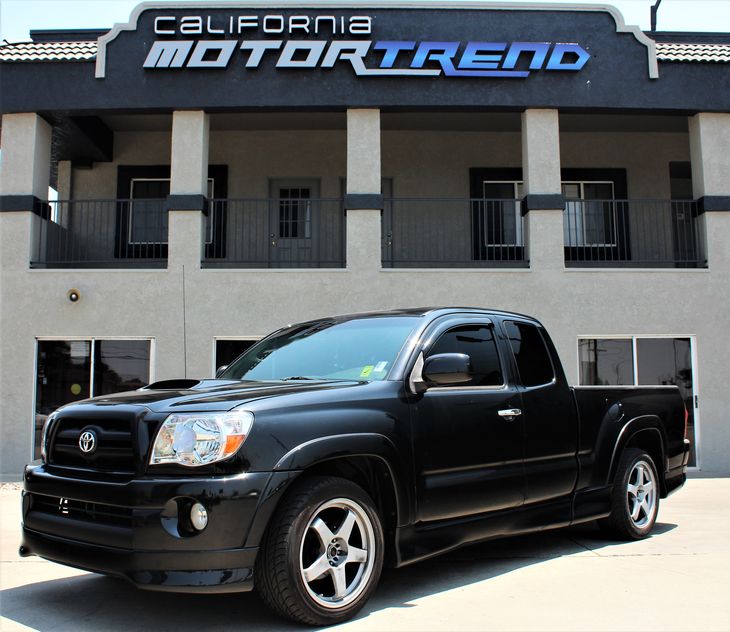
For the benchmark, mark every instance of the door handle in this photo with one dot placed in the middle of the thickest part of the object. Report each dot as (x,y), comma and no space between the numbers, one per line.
(510,413)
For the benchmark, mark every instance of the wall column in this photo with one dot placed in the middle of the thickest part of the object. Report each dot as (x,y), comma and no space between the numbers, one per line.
(24,178)
(363,199)
(543,194)
(709,139)
(188,187)
(25,169)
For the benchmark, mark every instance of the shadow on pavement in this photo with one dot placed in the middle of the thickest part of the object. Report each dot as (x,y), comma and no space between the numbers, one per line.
(93,602)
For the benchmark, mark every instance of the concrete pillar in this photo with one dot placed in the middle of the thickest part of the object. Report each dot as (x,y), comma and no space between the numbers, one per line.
(189,161)
(188,187)
(26,155)
(363,200)
(543,196)
(709,142)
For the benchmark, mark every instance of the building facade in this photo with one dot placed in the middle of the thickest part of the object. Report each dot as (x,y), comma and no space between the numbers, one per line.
(225,169)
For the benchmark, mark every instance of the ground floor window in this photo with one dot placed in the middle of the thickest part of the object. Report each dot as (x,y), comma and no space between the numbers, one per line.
(71,370)
(639,360)
(226,351)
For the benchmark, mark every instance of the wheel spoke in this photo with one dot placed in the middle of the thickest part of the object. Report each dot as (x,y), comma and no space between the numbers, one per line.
(648,486)
(636,509)
(346,527)
(646,505)
(357,555)
(633,489)
(317,569)
(639,476)
(340,581)
(323,531)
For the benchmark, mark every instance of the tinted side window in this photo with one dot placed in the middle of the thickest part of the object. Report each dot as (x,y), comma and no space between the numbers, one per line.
(478,343)
(533,360)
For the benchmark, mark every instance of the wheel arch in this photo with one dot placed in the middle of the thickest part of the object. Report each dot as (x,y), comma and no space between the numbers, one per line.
(647,434)
(368,459)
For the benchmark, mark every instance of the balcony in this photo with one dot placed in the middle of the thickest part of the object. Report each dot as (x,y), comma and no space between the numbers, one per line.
(632,234)
(276,233)
(453,233)
(101,234)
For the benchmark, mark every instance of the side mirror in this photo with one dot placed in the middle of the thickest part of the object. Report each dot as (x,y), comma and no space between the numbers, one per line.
(220,370)
(447,368)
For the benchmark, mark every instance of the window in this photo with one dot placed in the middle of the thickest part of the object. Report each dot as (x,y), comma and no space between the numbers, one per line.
(608,362)
(476,341)
(142,223)
(147,217)
(590,215)
(501,215)
(531,354)
(226,351)
(295,212)
(71,370)
(642,361)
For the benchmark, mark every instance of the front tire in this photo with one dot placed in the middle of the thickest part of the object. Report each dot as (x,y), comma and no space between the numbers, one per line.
(322,555)
(634,499)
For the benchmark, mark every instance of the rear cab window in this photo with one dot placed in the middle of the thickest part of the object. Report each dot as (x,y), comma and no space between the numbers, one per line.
(530,352)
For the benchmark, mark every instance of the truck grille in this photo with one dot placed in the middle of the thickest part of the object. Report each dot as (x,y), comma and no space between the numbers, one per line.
(113,444)
(81,510)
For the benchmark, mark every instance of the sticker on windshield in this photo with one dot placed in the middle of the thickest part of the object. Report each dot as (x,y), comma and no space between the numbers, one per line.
(366,370)
(380,366)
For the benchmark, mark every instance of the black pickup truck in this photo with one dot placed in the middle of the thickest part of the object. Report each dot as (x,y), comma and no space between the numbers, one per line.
(333,447)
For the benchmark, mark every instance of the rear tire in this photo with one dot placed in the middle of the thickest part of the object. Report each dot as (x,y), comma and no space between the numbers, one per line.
(322,554)
(634,498)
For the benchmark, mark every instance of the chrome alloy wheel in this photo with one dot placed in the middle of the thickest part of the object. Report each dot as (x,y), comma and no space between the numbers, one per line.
(337,553)
(641,494)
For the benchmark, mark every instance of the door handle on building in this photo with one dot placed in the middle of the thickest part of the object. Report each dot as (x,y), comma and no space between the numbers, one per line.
(509,413)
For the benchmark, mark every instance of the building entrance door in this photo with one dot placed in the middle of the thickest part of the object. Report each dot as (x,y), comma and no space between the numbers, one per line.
(292,218)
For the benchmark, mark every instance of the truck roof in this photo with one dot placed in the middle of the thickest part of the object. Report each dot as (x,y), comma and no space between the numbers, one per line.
(432,312)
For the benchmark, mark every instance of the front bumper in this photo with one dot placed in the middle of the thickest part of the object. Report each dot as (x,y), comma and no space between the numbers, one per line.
(126,529)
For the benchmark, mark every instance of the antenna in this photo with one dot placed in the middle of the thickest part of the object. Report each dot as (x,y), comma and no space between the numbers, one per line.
(654,10)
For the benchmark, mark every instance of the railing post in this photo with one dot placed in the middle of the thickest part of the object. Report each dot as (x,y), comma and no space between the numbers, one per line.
(363,200)
(544,201)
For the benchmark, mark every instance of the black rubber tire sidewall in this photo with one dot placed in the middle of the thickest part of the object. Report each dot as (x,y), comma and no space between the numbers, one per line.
(619,522)
(283,587)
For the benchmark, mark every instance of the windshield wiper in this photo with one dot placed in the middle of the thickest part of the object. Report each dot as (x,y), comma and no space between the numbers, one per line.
(293,378)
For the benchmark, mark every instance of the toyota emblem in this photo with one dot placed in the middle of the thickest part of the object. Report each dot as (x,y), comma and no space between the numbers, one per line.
(87,442)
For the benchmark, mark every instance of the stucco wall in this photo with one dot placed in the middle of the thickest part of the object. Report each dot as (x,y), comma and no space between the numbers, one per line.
(253,302)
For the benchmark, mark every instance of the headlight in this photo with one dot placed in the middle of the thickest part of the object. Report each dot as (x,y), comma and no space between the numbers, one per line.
(195,439)
(44,436)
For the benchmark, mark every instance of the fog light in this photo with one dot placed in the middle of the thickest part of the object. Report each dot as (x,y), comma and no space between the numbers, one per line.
(198,517)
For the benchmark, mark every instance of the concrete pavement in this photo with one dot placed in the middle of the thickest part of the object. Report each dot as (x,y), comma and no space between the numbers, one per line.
(572,579)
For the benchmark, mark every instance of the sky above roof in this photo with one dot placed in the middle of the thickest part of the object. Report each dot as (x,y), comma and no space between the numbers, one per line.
(18,17)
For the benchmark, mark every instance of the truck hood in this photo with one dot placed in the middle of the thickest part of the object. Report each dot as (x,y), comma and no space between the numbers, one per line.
(211,395)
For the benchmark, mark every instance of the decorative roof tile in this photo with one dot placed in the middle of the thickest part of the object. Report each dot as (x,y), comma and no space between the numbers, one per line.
(48,51)
(713,53)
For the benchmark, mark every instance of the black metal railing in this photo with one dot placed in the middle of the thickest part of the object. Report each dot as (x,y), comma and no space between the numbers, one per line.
(632,233)
(101,234)
(276,233)
(452,233)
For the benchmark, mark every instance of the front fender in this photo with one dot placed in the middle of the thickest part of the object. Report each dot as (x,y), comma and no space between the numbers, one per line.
(297,460)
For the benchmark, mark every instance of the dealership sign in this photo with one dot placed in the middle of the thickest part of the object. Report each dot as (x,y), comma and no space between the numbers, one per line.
(301,42)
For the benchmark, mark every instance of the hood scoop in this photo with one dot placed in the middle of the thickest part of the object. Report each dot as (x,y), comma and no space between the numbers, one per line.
(171,385)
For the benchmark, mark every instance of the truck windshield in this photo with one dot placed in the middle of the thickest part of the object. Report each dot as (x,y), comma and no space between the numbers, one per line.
(361,349)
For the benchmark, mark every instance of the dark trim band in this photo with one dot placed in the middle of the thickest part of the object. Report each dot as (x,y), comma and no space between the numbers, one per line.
(713,203)
(15,203)
(543,202)
(186,203)
(355,201)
